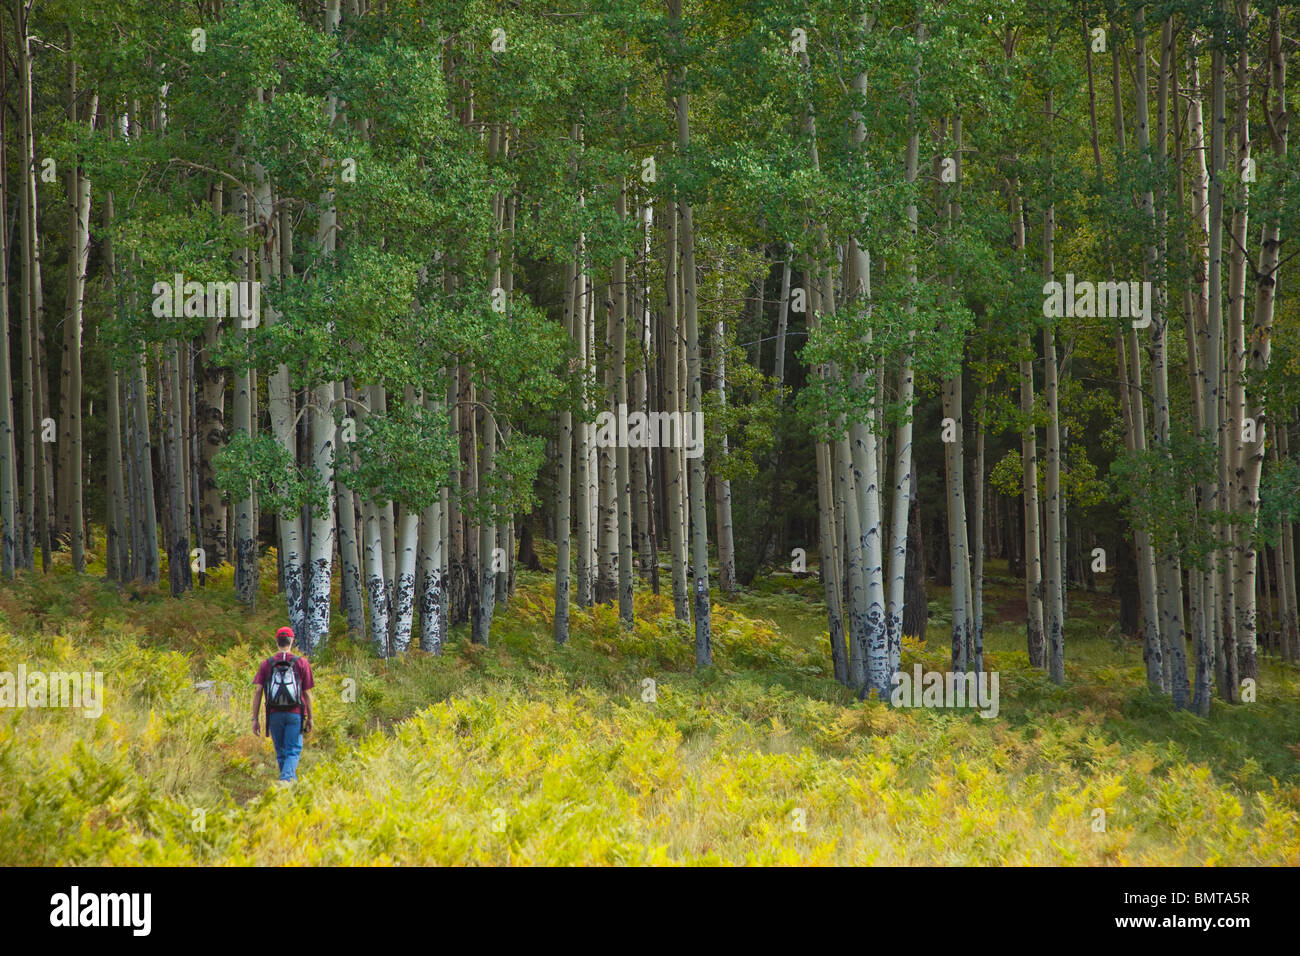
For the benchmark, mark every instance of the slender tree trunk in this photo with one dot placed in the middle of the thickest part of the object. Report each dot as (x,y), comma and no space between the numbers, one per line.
(1207,384)
(1287,577)
(283,412)
(699,528)
(119,525)
(593,452)
(350,587)
(903,483)
(916,613)
(564,469)
(829,563)
(487,529)
(376,587)
(324,433)
(78,253)
(1200,613)
(245,414)
(850,541)
(459,564)
(954,450)
(1257,359)
(607,573)
(783,317)
(131,475)
(1264,604)
(211,423)
(489,563)
(866,469)
(850,532)
(1033,562)
(116,557)
(622,464)
(699,520)
(407,544)
(958,549)
(586,528)
(178,544)
(1214,404)
(10,534)
(978,546)
(433,590)
(32,317)
(642,459)
(1169,581)
(1239,632)
(1054,618)
(146,562)
(505,582)
(672,455)
(721,485)
(1133,411)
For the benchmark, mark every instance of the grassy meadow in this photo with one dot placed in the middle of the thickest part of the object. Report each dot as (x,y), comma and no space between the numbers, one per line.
(613,750)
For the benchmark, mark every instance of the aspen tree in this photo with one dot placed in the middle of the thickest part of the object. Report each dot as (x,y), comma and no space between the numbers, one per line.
(1052,578)
(902,477)
(10,534)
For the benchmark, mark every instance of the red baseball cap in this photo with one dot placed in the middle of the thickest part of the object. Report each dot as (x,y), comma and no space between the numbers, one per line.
(284,630)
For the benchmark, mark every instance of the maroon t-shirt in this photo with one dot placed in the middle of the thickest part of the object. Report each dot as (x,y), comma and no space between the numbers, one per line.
(305,681)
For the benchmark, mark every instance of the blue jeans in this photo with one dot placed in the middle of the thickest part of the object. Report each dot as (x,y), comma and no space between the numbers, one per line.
(286,734)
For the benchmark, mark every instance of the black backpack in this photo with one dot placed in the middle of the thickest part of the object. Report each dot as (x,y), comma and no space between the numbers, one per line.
(284,689)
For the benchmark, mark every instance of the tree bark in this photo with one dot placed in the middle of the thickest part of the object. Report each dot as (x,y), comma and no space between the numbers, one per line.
(672,456)
(722,485)
(350,577)
(564,466)
(1054,618)
(10,534)
(903,481)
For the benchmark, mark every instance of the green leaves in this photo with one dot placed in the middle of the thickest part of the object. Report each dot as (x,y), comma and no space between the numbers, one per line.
(260,464)
(1279,499)
(1154,487)
(404,455)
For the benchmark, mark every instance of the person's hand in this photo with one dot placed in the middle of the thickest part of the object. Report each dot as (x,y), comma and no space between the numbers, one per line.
(257,728)
(306,725)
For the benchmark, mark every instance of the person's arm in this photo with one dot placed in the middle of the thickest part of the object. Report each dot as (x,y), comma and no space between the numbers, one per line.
(306,697)
(257,708)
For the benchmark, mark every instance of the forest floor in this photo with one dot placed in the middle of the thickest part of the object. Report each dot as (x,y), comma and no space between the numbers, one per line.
(613,749)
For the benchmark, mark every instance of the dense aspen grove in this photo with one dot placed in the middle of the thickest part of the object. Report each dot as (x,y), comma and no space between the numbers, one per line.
(664,296)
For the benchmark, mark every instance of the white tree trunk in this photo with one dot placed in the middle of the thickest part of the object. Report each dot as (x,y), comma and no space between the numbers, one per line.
(672,456)
(408,540)
(376,587)
(622,462)
(906,392)
(563,475)
(282,405)
(722,486)
(958,549)
(1052,585)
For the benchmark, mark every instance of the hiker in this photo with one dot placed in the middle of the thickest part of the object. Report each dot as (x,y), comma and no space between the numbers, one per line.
(287,682)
